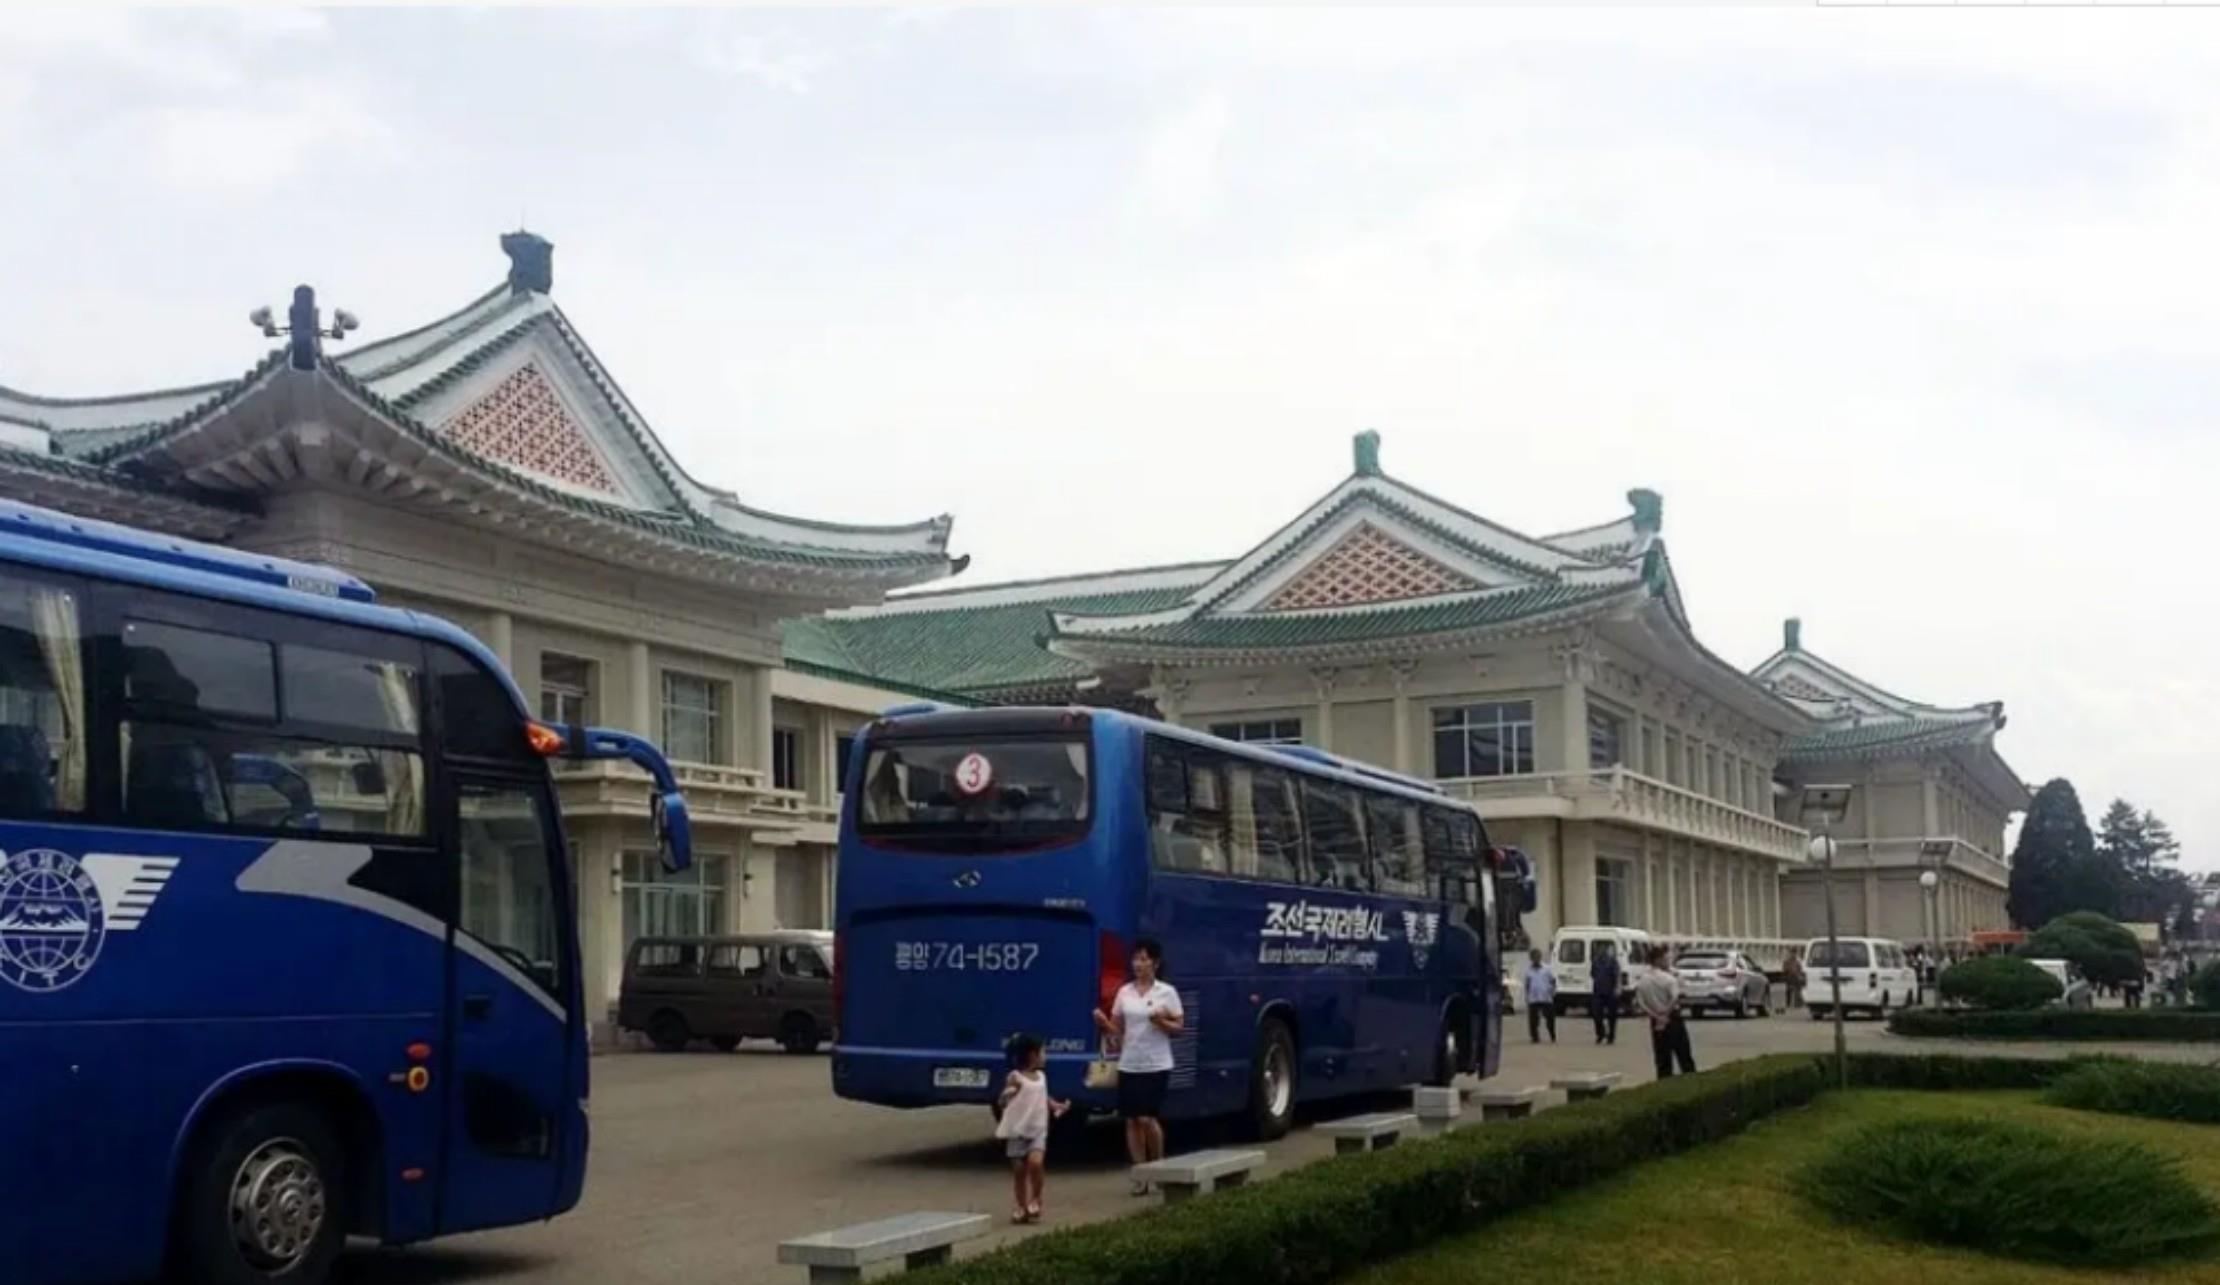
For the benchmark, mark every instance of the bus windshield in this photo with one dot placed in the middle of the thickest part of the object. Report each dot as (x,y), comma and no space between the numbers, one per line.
(973,795)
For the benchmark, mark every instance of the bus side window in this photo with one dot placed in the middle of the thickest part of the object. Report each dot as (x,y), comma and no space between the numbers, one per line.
(42,698)
(477,716)
(1337,853)
(1187,809)
(1267,829)
(1398,854)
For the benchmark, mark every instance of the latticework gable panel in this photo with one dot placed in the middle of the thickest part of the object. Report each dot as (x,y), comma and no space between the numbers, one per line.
(1801,689)
(522,423)
(1367,565)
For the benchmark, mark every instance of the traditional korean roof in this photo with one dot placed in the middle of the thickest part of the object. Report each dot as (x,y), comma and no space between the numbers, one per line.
(1861,721)
(982,641)
(498,413)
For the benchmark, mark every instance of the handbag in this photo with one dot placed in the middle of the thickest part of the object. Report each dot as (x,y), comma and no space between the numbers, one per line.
(1102,1073)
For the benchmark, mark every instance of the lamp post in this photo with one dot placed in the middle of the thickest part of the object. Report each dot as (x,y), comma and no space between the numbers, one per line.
(1824,808)
(1928,879)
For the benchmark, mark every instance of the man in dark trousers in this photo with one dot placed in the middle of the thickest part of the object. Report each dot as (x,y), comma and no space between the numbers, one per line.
(1603,1002)
(1658,996)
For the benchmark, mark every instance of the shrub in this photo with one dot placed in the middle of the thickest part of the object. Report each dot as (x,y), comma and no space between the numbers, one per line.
(1327,1219)
(1998,982)
(2158,1025)
(2161,1090)
(1951,1073)
(2106,953)
(2014,1190)
(2204,986)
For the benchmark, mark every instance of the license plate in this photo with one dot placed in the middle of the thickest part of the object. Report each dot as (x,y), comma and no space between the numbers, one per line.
(959,1077)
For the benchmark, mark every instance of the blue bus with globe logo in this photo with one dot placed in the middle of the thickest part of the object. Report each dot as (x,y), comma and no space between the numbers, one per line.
(288,946)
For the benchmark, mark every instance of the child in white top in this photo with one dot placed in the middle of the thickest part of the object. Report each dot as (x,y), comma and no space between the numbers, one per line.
(1026,1111)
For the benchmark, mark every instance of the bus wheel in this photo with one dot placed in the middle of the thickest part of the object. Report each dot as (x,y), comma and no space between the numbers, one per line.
(262,1201)
(798,1033)
(1272,1081)
(668,1032)
(1449,1050)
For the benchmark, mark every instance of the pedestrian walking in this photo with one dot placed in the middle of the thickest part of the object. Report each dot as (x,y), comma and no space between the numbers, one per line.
(1792,976)
(1541,997)
(1658,996)
(1139,1026)
(1023,1125)
(1603,1008)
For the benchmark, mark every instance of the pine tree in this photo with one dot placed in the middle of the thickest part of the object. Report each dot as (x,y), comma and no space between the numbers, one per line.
(2054,843)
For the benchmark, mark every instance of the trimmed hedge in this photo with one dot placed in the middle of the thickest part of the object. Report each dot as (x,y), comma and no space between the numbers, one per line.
(2014,1189)
(1950,1073)
(2204,986)
(2150,1025)
(1324,1220)
(1998,982)
(2160,1090)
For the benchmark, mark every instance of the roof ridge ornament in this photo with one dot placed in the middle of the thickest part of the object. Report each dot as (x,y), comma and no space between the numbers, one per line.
(305,325)
(1366,446)
(531,262)
(1649,509)
(1792,634)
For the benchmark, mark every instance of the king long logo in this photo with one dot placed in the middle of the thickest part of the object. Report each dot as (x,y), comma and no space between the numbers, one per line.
(57,910)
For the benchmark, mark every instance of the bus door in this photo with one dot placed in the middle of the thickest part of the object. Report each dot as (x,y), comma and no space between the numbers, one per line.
(512,1103)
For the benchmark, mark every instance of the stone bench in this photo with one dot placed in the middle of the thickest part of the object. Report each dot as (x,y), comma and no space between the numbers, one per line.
(1437,1109)
(1584,1085)
(1508,1104)
(919,1240)
(1198,1172)
(1368,1132)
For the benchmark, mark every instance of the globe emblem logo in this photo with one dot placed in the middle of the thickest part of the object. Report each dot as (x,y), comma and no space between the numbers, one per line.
(51,920)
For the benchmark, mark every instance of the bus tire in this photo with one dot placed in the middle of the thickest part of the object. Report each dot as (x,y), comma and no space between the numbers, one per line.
(668,1032)
(798,1033)
(1272,1081)
(1449,1049)
(263,1199)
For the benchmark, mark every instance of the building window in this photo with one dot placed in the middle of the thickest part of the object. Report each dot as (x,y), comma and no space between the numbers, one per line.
(1614,892)
(1269,731)
(844,748)
(658,903)
(1606,738)
(786,759)
(566,686)
(1491,739)
(690,717)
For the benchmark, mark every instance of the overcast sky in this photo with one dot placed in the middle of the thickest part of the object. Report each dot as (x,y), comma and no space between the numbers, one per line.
(1908,314)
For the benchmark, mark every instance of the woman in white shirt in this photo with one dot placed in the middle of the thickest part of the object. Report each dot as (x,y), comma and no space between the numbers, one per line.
(1139,1027)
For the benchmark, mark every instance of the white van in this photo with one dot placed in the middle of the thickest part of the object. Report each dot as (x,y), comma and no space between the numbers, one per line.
(1573,950)
(1876,976)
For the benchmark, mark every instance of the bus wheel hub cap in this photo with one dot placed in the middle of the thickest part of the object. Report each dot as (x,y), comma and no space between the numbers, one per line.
(277,1203)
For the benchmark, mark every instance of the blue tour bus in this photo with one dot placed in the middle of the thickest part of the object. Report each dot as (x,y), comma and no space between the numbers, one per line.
(1329,927)
(288,948)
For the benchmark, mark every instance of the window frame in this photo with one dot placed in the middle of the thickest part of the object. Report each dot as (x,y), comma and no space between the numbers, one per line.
(715,712)
(95,740)
(786,753)
(582,691)
(1277,731)
(1464,726)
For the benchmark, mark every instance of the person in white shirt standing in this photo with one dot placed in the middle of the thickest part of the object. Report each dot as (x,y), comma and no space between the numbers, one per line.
(1139,1027)
(1541,997)
(1658,996)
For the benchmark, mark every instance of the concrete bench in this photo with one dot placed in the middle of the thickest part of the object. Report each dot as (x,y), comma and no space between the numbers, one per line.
(1437,1109)
(1583,1085)
(1508,1104)
(919,1240)
(1368,1132)
(1198,1172)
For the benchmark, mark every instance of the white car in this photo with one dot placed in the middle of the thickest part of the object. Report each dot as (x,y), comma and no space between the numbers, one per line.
(1572,953)
(2072,991)
(1722,981)
(1875,973)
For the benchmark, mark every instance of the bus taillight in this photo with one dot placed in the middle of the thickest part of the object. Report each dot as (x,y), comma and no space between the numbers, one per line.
(1110,975)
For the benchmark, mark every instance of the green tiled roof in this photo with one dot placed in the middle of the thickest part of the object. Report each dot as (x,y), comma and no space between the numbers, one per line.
(970,649)
(1430,616)
(1889,736)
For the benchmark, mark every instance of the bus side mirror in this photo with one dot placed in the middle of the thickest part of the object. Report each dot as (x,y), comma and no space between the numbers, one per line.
(674,832)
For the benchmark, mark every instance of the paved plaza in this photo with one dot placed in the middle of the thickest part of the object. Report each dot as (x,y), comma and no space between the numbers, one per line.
(703,1162)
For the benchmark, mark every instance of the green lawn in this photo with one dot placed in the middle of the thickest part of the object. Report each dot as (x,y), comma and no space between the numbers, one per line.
(1724,1214)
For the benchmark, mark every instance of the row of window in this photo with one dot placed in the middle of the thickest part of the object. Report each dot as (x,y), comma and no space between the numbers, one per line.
(1221,814)
(692,717)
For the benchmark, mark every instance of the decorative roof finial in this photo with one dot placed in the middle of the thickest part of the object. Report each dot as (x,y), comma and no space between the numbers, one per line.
(1367,445)
(305,326)
(1649,509)
(1792,634)
(531,262)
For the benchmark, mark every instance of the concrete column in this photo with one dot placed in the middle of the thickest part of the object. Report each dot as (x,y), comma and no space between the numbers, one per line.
(1578,863)
(640,677)
(758,728)
(824,782)
(501,638)
(1637,753)
(1870,886)
(1574,699)
(1401,672)
(1930,807)
(1649,884)
(1324,679)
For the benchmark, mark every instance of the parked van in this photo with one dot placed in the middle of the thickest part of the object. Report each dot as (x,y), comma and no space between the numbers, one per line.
(1876,976)
(774,985)
(1572,951)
